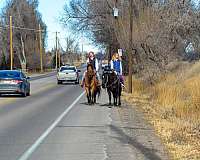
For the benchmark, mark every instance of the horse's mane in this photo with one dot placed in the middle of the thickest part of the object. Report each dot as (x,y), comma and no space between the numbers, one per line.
(113,76)
(113,79)
(90,67)
(90,70)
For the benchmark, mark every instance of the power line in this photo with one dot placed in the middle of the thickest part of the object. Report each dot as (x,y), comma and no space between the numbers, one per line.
(22,28)
(29,29)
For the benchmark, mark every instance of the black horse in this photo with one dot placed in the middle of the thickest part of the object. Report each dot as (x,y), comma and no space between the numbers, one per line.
(111,82)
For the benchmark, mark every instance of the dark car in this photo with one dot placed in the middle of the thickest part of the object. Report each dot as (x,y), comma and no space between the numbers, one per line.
(106,68)
(14,82)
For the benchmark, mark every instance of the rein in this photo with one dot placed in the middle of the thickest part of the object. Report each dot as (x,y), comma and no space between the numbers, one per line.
(112,82)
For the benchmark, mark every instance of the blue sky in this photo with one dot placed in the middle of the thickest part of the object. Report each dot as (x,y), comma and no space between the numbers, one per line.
(51,10)
(50,14)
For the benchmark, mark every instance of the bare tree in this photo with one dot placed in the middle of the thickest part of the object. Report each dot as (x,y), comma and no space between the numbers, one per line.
(26,20)
(161,29)
(72,50)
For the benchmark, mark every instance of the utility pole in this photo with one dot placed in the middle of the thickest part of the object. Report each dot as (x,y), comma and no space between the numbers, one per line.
(59,56)
(56,51)
(130,48)
(116,14)
(11,45)
(82,54)
(110,52)
(41,58)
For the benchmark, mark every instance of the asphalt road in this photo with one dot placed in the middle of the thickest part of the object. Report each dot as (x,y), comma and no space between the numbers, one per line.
(34,127)
(23,120)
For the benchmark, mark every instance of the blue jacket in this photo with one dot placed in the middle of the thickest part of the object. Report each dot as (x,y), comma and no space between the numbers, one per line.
(117,66)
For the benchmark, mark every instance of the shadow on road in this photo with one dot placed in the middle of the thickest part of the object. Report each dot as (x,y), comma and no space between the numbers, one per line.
(147,152)
(87,104)
(11,96)
(68,84)
(106,105)
(99,105)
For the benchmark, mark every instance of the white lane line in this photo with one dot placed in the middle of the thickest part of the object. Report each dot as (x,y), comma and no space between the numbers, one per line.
(105,152)
(36,144)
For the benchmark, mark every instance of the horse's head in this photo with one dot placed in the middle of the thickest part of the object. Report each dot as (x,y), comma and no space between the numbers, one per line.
(114,79)
(90,67)
(113,76)
(106,78)
(109,79)
(90,71)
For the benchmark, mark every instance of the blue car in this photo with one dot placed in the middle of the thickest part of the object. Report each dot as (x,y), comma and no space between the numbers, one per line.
(14,82)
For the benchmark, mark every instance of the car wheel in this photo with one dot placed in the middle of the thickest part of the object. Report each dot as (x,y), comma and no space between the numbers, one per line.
(59,82)
(24,94)
(28,94)
(77,81)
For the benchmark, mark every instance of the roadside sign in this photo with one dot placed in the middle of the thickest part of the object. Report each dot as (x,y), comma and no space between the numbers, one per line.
(115,12)
(120,52)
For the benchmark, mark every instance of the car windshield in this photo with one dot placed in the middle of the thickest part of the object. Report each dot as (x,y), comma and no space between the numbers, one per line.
(68,69)
(9,74)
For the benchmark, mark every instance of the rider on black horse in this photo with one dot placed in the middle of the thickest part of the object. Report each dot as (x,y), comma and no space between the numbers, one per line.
(116,65)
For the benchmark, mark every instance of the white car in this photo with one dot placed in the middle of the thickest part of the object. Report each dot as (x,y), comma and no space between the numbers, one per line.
(68,74)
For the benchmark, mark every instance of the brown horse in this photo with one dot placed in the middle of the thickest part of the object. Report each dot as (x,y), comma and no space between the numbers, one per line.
(91,85)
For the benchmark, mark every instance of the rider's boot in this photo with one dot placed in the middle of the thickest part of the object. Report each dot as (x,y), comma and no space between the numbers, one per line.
(98,83)
(82,83)
(122,81)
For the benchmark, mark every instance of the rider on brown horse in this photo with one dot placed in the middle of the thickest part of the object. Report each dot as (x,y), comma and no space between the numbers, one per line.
(91,86)
(94,62)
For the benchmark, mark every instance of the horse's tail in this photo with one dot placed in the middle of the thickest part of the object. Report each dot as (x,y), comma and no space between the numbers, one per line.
(98,91)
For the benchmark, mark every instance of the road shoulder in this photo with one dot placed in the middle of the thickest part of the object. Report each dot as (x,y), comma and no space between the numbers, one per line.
(138,134)
(101,133)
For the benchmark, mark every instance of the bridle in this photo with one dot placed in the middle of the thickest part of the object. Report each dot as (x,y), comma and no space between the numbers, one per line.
(106,82)
(107,86)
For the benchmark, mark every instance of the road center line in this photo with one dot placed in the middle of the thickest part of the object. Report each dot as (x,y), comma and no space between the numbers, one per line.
(36,144)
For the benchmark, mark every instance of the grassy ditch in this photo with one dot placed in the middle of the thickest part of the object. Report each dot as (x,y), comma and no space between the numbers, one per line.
(172,105)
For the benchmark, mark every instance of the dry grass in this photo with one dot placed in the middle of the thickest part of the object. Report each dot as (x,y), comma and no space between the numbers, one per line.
(173,107)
